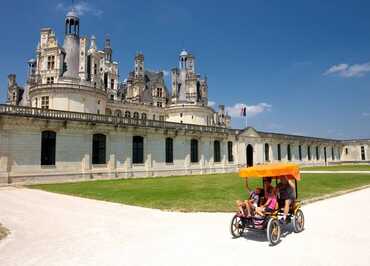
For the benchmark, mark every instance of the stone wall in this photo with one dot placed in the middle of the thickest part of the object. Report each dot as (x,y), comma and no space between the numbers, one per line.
(20,150)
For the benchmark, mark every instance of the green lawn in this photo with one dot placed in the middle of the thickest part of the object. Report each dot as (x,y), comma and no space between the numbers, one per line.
(348,167)
(196,193)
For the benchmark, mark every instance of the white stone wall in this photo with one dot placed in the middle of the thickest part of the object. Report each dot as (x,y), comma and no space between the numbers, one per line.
(20,151)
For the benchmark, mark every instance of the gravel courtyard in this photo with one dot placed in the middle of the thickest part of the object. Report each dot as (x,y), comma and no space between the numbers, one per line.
(51,229)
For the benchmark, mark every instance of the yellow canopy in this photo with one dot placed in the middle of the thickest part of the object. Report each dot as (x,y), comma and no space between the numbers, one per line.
(272,170)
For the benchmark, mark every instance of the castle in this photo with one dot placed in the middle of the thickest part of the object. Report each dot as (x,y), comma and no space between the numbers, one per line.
(75,119)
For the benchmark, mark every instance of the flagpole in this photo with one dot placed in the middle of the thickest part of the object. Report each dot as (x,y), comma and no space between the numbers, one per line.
(246,119)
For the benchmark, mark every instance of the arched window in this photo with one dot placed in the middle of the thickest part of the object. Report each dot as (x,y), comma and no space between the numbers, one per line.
(169,150)
(99,149)
(108,111)
(267,152)
(194,151)
(230,151)
(143,116)
(309,152)
(136,115)
(127,114)
(289,152)
(217,151)
(48,147)
(317,153)
(118,113)
(279,151)
(137,149)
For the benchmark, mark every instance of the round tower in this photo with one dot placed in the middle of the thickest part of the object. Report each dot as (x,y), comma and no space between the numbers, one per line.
(71,44)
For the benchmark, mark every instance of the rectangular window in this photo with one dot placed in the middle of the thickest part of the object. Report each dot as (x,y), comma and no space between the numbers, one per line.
(194,151)
(300,152)
(45,102)
(309,152)
(51,62)
(267,152)
(48,148)
(317,153)
(346,151)
(217,151)
(112,84)
(169,150)
(50,80)
(289,152)
(332,153)
(279,151)
(363,156)
(99,149)
(137,150)
(161,118)
(159,93)
(230,155)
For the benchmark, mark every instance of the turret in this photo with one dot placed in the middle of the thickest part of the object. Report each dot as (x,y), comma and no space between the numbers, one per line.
(31,71)
(72,23)
(139,65)
(15,92)
(108,50)
(72,45)
(186,61)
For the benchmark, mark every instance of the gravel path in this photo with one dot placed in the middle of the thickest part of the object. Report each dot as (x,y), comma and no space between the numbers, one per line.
(50,229)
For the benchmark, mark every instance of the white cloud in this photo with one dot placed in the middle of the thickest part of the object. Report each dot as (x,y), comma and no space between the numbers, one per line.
(349,71)
(252,110)
(211,103)
(82,8)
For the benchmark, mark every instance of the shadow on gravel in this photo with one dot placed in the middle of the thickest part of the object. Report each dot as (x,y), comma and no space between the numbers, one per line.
(261,236)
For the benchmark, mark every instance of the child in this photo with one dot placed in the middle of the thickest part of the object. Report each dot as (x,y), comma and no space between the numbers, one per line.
(251,204)
(270,204)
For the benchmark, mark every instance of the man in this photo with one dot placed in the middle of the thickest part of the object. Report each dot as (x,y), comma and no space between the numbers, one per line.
(286,190)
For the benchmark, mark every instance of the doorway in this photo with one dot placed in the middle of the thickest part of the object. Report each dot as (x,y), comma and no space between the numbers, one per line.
(249,155)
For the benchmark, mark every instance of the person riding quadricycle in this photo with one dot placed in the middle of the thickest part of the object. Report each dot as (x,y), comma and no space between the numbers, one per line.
(261,212)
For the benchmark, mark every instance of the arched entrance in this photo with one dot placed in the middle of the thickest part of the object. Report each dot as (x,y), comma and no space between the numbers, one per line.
(249,155)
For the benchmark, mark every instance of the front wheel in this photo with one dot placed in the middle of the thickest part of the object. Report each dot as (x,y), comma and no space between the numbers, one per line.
(273,231)
(298,222)
(237,226)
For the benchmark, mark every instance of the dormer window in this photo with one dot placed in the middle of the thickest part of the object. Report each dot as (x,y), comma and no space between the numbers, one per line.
(159,92)
(51,62)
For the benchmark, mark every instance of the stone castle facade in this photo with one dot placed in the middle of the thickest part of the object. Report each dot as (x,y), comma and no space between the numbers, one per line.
(78,77)
(75,119)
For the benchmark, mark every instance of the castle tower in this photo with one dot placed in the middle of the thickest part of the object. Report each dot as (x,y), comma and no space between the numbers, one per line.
(15,92)
(187,62)
(139,65)
(31,71)
(107,49)
(72,45)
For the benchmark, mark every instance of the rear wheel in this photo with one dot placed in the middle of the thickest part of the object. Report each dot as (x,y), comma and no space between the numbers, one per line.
(298,222)
(237,226)
(273,231)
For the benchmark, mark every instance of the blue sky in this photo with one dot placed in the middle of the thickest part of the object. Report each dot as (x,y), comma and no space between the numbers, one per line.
(301,67)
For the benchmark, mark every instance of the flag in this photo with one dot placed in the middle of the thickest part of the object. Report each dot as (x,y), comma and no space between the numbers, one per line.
(243,111)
